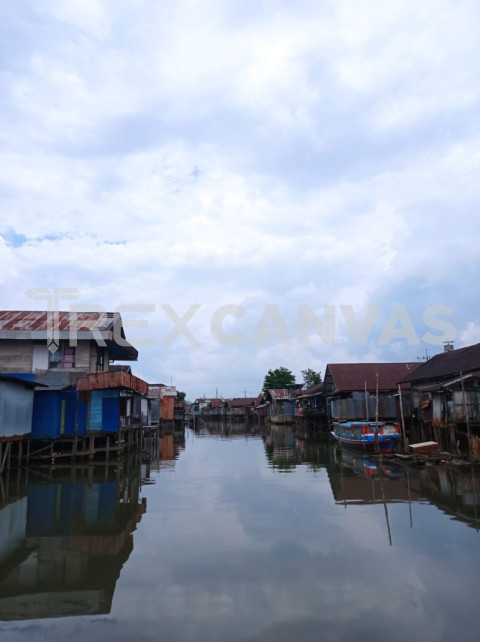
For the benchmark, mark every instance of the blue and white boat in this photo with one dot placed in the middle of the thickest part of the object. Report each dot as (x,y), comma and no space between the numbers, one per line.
(361,434)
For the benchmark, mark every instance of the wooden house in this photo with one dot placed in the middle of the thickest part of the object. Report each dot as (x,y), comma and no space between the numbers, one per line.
(215,409)
(350,390)
(446,393)
(311,402)
(115,400)
(162,402)
(281,405)
(241,408)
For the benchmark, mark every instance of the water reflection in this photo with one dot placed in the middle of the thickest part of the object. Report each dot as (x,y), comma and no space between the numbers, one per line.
(65,534)
(360,479)
(251,534)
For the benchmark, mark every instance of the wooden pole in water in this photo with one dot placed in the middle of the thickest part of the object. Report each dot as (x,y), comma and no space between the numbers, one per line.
(377,447)
(465,408)
(400,401)
(366,403)
(409,499)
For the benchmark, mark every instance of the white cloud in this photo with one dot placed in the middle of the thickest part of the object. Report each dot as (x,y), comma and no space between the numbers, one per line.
(185,153)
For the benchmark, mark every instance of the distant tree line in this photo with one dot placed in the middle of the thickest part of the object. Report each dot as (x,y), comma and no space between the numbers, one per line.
(282,377)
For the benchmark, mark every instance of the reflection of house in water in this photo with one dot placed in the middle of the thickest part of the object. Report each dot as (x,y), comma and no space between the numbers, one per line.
(455,491)
(287,448)
(63,542)
(170,444)
(356,479)
(228,429)
(282,449)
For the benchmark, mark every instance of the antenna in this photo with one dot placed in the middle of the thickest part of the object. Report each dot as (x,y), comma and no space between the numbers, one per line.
(245,393)
(426,356)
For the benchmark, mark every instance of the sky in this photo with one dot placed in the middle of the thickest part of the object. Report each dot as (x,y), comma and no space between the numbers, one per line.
(311,165)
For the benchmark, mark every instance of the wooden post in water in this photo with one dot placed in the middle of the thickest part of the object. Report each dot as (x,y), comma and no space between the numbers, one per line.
(400,401)
(377,447)
(367,416)
(465,408)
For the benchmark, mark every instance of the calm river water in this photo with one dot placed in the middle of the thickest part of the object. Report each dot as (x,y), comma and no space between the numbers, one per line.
(235,535)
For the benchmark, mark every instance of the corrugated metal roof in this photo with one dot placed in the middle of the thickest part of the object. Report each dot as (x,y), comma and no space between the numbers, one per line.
(38,320)
(34,325)
(355,376)
(241,402)
(447,364)
(118,379)
(278,395)
(216,403)
(313,391)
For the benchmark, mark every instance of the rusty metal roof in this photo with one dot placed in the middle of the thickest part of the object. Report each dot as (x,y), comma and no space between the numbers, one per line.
(216,403)
(355,376)
(280,394)
(38,320)
(448,364)
(117,379)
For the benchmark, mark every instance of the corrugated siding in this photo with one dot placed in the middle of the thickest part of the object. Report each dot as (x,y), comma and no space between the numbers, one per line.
(54,413)
(104,410)
(16,408)
(46,415)
(167,408)
(355,408)
(82,419)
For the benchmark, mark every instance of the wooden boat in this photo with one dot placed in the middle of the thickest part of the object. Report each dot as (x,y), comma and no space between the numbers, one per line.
(361,435)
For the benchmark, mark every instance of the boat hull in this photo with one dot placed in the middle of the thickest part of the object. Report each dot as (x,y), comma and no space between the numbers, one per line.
(386,444)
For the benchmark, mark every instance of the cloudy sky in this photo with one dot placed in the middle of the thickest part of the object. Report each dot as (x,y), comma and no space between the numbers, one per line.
(287,158)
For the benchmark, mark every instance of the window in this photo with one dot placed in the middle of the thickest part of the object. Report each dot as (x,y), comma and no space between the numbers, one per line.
(63,358)
(100,364)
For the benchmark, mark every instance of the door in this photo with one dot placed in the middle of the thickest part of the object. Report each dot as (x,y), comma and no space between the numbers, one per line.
(110,415)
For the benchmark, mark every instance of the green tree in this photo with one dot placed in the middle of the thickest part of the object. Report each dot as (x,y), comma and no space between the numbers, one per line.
(180,396)
(311,378)
(278,379)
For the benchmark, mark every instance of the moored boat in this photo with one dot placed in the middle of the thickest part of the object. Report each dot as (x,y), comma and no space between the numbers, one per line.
(361,434)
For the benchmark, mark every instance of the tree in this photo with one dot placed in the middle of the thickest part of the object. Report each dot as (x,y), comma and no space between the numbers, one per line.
(180,396)
(278,379)
(311,378)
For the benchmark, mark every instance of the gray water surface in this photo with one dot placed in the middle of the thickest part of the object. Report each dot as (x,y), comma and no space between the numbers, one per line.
(235,534)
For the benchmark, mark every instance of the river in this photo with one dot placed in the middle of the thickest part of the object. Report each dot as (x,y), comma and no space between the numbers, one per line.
(244,535)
